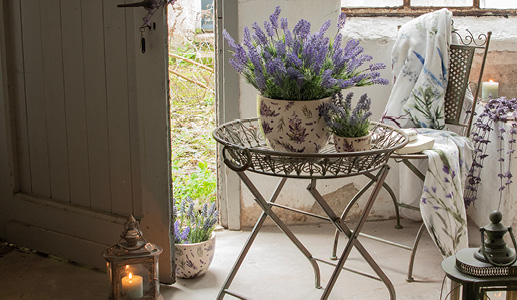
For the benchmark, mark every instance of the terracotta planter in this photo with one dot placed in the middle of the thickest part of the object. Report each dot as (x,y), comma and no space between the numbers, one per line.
(348,144)
(293,126)
(193,260)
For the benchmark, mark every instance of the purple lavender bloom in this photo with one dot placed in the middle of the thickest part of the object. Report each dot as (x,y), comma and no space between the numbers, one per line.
(344,84)
(310,54)
(283,24)
(229,40)
(259,35)
(326,79)
(247,36)
(289,42)
(337,42)
(302,29)
(177,232)
(381,81)
(182,207)
(184,234)
(341,21)
(269,29)
(280,48)
(377,66)
(293,60)
(352,49)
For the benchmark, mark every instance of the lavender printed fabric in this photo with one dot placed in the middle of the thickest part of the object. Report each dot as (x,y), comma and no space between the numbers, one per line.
(441,205)
(420,61)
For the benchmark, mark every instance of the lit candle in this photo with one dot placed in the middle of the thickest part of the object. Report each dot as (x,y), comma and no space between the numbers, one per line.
(489,90)
(497,295)
(132,286)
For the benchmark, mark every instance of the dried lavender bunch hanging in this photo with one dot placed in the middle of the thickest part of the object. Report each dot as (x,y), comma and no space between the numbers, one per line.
(495,113)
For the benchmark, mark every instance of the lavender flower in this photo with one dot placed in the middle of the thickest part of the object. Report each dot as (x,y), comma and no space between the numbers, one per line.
(302,29)
(341,21)
(495,111)
(344,121)
(269,29)
(259,35)
(298,65)
(192,225)
(274,18)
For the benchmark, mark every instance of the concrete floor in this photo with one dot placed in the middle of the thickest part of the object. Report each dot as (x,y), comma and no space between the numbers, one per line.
(273,269)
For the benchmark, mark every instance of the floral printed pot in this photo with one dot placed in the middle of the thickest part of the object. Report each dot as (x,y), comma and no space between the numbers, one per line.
(293,126)
(193,260)
(348,144)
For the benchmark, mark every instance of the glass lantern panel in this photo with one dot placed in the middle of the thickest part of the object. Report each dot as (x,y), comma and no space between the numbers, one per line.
(110,277)
(135,281)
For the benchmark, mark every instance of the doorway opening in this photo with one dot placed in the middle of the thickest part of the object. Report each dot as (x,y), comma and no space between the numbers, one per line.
(192,100)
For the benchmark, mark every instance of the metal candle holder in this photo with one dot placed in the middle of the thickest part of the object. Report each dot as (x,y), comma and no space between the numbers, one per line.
(494,257)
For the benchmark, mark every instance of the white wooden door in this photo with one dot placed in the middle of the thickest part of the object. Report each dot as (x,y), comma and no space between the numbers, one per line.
(87,128)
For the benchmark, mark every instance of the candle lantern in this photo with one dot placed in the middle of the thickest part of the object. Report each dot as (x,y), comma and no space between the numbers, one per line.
(490,269)
(133,265)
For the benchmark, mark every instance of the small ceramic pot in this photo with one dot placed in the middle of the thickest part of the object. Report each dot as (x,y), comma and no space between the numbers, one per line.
(293,126)
(193,260)
(352,144)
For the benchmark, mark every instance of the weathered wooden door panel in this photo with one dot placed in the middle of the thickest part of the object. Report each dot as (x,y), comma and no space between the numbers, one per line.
(89,117)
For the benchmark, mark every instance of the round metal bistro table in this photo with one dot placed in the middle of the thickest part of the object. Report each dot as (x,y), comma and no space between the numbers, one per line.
(245,150)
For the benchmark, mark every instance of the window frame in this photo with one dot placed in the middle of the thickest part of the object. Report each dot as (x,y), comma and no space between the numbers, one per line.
(407,10)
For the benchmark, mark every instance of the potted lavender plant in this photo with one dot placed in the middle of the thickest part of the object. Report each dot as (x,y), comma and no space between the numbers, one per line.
(350,126)
(194,237)
(295,73)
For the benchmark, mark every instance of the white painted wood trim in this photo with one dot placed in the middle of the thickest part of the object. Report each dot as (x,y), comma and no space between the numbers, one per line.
(153,124)
(227,99)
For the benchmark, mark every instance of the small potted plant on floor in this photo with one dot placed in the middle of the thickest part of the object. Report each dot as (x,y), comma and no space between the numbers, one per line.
(194,237)
(295,72)
(350,126)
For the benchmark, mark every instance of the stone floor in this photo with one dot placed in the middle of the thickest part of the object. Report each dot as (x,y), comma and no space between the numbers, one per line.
(273,269)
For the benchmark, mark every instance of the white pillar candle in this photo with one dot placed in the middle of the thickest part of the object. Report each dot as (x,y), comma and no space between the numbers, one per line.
(132,286)
(489,89)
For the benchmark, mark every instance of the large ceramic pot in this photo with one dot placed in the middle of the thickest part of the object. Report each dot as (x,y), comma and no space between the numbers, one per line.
(352,144)
(293,126)
(193,260)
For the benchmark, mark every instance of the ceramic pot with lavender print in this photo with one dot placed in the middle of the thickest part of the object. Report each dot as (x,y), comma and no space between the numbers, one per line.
(193,260)
(293,126)
(352,144)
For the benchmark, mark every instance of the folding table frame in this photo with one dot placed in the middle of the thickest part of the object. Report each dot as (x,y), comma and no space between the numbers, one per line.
(244,150)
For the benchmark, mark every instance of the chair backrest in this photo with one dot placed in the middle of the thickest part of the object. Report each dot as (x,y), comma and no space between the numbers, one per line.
(461,58)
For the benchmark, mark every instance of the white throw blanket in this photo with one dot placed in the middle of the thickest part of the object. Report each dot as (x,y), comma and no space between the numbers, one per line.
(420,62)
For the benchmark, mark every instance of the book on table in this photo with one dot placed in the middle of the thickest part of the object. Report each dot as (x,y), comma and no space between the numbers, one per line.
(417,142)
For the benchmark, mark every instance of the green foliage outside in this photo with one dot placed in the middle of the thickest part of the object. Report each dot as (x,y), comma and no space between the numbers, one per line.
(192,122)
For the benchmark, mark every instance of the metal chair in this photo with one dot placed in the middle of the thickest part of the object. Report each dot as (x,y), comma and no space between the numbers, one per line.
(461,58)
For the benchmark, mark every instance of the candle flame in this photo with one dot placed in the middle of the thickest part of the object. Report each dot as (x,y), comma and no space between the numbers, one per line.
(130,277)
(127,267)
(491,80)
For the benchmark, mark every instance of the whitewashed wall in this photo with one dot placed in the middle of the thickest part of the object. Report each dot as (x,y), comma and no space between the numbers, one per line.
(377,35)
